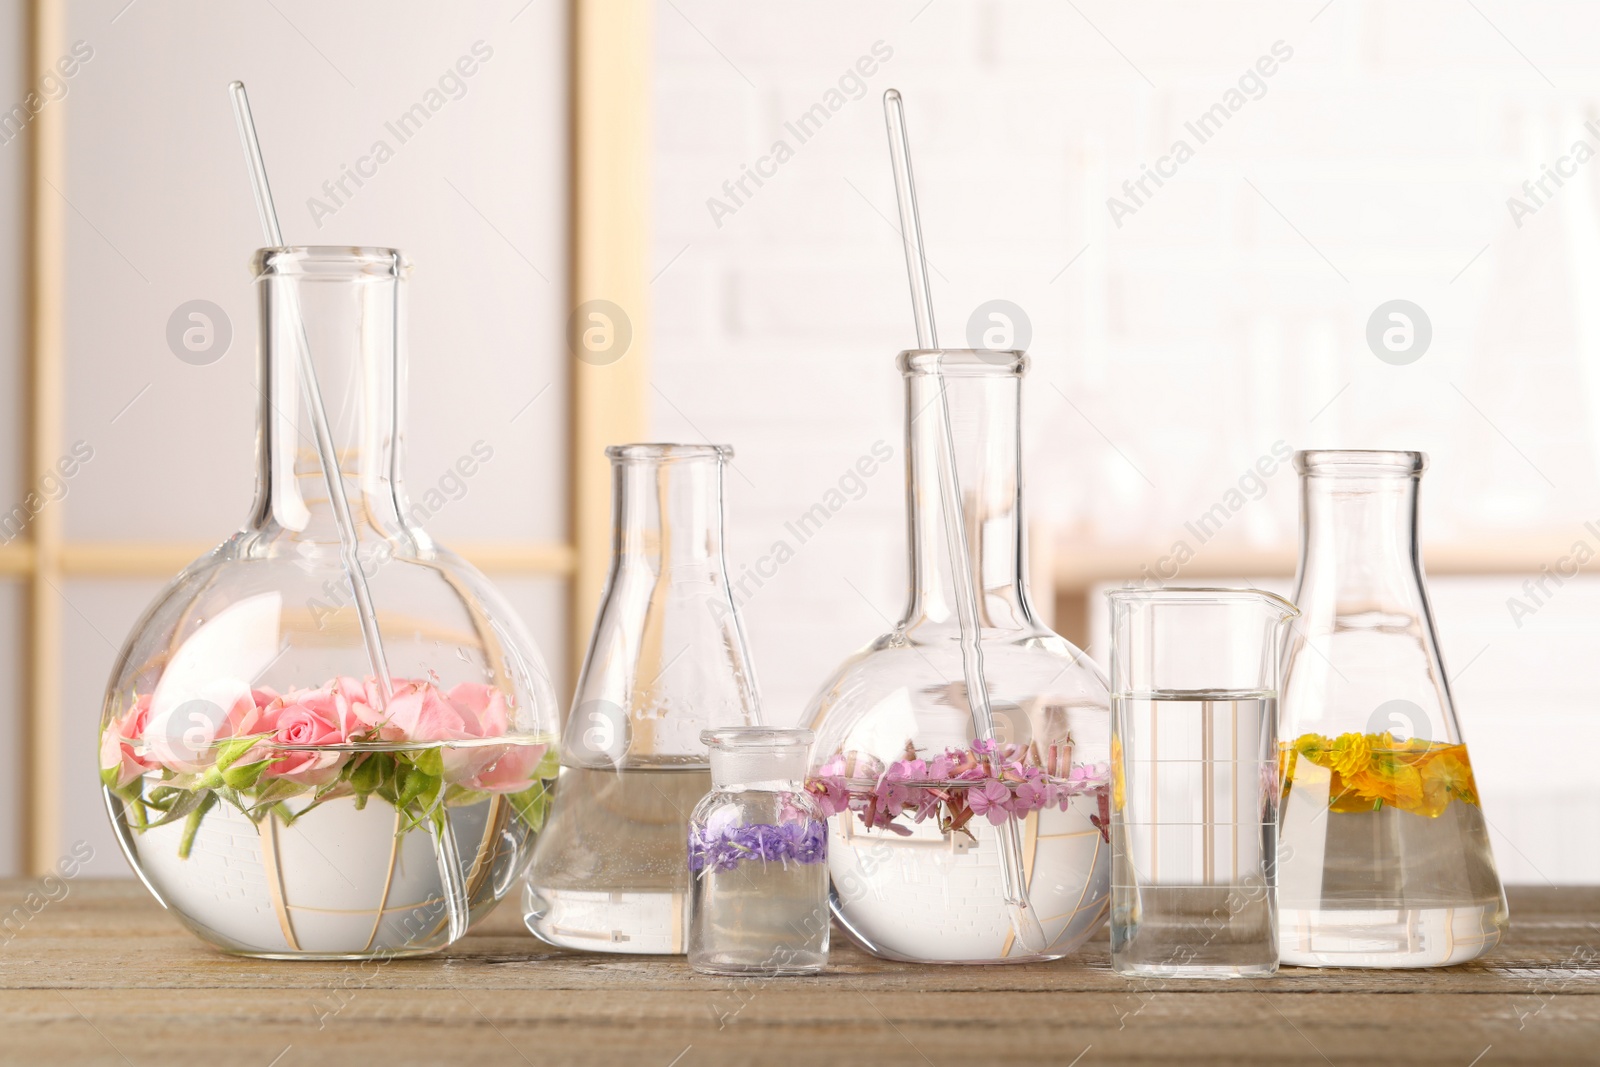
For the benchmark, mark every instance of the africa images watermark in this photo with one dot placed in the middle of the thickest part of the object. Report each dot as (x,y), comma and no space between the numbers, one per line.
(1538,190)
(53,888)
(1252,85)
(451,85)
(53,485)
(1536,592)
(52,87)
(850,486)
(451,486)
(852,85)
(1251,485)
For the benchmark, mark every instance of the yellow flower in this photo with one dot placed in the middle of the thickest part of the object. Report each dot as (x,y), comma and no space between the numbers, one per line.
(1119,782)
(1447,775)
(1350,754)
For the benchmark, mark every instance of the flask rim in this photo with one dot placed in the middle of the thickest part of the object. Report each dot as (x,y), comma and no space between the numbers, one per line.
(666,452)
(1203,595)
(1360,463)
(963,362)
(334,262)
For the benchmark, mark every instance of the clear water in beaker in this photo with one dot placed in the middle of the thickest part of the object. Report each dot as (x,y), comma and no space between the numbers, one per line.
(1196,790)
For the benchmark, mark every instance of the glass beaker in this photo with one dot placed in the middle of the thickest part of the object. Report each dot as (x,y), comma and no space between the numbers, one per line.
(1194,690)
(758,849)
(1387,857)
(914,848)
(667,660)
(260,781)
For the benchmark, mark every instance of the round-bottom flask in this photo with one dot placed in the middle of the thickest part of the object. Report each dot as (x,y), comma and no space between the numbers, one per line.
(917,801)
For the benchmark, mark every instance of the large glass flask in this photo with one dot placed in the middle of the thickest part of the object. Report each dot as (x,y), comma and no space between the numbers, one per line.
(1385,856)
(667,660)
(1194,764)
(264,782)
(919,796)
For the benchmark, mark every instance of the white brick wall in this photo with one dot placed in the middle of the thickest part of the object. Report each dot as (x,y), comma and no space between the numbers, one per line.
(1194,336)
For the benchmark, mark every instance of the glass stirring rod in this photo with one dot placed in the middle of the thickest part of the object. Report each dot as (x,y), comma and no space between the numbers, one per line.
(326,451)
(1024,921)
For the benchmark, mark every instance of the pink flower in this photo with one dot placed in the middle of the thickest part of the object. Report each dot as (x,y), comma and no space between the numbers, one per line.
(316,718)
(511,771)
(991,800)
(831,794)
(1031,796)
(483,708)
(419,712)
(117,743)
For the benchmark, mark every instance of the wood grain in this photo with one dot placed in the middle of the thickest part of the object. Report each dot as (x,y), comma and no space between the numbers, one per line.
(103,976)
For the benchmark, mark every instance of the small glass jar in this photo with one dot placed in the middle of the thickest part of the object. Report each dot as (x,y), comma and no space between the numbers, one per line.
(758,845)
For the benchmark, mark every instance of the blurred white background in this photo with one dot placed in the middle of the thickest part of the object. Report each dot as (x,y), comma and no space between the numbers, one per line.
(1173,345)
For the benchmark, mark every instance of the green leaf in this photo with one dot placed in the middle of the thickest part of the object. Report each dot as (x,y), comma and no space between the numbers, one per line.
(179,808)
(413,784)
(230,750)
(246,775)
(532,805)
(367,775)
(430,761)
(459,796)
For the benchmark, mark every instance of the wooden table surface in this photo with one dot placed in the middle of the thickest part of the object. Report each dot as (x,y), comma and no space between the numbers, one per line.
(103,976)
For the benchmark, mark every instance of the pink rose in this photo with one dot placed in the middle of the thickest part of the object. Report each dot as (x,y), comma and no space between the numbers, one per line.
(512,772)
(482,708)
(419,712)
(117,743)
(314,719)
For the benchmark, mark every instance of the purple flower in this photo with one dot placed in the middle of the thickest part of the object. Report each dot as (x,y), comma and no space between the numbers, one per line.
(719,846)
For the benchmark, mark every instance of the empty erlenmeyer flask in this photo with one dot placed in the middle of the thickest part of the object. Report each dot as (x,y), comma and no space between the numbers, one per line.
(1385,857)
(666,661)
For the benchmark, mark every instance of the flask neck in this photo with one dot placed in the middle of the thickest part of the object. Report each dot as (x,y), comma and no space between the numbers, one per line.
(344,306)
(1358,549)
(667,503)
(985,407)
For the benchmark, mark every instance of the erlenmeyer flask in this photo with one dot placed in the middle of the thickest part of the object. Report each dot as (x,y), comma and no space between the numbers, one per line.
(667,660)
(1385,858)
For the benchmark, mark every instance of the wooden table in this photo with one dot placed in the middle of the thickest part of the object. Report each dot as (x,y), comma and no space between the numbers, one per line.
(103,976)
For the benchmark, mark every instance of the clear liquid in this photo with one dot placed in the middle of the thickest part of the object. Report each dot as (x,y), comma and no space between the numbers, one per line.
(609,873)
(1193,820)
(760,918)
(337,881)
(939,897)
(1383,887)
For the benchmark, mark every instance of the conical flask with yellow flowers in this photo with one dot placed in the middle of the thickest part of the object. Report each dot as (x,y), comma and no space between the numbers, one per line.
(1384,854)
